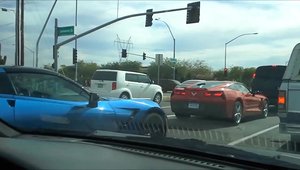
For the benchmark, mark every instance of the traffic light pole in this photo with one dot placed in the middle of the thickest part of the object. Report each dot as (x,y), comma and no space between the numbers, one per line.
(57,45)
(141,55)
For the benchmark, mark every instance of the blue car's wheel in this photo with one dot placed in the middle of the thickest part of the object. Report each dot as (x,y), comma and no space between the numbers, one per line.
(155,125)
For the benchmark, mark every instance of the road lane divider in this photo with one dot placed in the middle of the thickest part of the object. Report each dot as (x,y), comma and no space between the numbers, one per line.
(171,116)
(251,136)
(165,107)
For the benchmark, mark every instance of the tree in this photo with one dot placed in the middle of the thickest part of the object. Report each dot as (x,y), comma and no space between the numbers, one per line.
(85,71)
(247,76)
(184,70)
(126,65)
(235,73)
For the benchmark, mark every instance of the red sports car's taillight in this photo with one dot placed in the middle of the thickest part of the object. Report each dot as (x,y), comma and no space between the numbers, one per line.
(213,93)
(113,85)
(179,91)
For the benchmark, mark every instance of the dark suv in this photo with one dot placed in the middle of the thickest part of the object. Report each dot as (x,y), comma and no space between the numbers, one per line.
(168,84)
(267,80)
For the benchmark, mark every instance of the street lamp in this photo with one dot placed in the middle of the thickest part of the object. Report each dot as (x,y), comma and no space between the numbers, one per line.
(233,40)
(158,19)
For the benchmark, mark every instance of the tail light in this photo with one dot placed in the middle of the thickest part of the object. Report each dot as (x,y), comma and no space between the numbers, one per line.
(213,93)
(113,85)
(253,75)
(179,91)
(282,101)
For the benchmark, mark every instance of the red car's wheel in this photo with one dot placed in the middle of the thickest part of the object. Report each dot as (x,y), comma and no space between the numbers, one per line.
(237,112)
(265,109)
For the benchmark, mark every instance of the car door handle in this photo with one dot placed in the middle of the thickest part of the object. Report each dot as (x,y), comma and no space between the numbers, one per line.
(11,103)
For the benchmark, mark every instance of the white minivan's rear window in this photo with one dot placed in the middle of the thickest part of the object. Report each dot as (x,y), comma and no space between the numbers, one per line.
(105,75)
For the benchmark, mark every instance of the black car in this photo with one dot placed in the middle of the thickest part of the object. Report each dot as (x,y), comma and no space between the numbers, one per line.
(267,80)
(168,84)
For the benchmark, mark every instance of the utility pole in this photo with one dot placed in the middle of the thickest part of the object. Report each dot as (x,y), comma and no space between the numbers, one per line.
(55,56)
(22,33)
(17,26)
(76,65)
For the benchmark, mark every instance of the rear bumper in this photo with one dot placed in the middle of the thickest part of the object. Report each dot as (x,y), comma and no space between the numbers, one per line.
(289,128)
(289,123)
(205,109)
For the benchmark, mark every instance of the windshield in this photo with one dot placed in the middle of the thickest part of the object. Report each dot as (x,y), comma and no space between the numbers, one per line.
(218,50)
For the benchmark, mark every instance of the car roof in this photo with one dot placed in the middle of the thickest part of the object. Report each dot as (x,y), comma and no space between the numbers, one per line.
(23,69)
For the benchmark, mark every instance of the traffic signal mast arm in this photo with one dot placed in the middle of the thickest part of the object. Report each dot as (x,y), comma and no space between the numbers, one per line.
(113,21)
(57,45)
(141,55)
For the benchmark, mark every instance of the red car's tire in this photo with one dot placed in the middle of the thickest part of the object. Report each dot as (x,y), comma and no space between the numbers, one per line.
(265,109)
(237,112)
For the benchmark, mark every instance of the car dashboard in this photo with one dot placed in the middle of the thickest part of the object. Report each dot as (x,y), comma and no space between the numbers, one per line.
(35,151)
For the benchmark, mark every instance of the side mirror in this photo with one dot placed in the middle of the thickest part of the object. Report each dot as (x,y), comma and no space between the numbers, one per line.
(93,100)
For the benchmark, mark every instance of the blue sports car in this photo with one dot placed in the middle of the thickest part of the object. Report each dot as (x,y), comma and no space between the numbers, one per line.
(34,99)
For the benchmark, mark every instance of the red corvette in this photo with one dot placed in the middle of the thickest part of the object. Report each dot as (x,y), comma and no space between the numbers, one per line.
(223,99)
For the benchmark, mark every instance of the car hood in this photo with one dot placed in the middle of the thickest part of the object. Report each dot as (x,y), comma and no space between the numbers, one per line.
(131,103)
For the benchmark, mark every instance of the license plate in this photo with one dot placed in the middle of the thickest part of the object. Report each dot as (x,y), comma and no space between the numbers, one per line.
(100,85)
(193,105)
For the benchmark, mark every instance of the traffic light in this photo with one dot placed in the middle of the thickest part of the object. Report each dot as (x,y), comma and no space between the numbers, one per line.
(144,56)
(124,53)
(225,72)
(193,13)
(74,56)
(149,18)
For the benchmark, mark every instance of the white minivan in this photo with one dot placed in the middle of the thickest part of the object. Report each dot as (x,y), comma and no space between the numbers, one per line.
(125,84)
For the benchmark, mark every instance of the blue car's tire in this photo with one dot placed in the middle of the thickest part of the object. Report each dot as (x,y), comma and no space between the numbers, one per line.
(155,125)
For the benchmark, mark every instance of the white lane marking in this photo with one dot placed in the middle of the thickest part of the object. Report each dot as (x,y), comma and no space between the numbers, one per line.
(251,136)
(165,107)
(170,116)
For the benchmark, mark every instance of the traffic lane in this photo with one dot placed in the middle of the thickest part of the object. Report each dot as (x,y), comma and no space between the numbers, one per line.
(218,131)
(272,140)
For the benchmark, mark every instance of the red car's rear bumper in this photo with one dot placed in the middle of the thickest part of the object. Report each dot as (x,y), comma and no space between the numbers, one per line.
(215,109)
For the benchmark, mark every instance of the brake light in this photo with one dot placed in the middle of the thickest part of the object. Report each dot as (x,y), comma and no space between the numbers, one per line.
(218,94)
(207,94)
(281,100)
(179,91)
(213,93)
(113,85)
(253,75)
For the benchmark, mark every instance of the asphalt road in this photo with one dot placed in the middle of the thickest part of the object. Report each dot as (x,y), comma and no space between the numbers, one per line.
(259,133)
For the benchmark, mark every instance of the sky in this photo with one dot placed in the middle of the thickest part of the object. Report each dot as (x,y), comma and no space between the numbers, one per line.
(276,22)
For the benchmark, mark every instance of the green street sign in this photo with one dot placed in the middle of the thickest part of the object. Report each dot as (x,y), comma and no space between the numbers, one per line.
(64,31)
